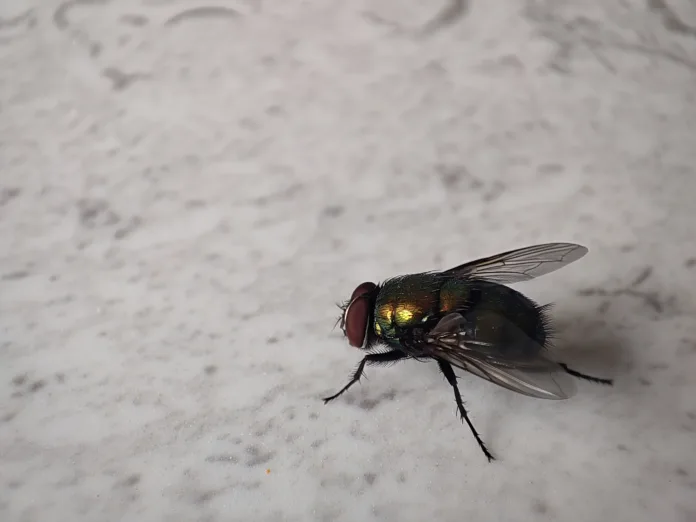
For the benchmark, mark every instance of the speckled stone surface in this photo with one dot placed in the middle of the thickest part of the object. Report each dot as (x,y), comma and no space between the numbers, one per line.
(188,188)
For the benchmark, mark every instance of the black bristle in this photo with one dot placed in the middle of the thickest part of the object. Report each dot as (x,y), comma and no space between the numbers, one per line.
(545,329)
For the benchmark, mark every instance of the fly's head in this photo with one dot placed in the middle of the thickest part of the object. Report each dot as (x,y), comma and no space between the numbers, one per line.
(357,316)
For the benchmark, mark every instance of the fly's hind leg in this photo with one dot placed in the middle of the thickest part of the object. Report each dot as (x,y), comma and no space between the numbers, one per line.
(371,359)
(574,373)
(449,374)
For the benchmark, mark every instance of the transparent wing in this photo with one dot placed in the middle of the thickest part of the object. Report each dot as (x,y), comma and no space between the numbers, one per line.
(535,376)
(522,264)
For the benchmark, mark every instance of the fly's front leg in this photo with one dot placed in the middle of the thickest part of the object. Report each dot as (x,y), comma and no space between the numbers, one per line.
(371,359)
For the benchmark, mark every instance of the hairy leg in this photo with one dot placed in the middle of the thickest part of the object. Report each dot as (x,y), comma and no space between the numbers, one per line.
(370,359)
(449,374)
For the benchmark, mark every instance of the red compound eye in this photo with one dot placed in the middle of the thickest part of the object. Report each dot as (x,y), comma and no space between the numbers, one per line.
(357,314)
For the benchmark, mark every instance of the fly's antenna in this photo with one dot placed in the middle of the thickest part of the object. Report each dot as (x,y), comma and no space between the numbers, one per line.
(342,306)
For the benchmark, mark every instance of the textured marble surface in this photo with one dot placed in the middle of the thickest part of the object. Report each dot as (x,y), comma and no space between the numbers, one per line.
(188,188)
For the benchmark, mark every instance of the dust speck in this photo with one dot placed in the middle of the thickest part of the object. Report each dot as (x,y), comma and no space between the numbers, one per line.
(18,380)
(210,369)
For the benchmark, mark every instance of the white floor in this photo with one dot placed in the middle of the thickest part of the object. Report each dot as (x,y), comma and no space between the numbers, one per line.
(188,188)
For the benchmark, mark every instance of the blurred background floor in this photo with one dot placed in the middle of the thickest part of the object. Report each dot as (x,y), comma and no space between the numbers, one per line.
(188,188)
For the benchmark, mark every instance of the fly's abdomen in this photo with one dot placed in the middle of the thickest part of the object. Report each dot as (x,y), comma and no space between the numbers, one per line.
(498,315)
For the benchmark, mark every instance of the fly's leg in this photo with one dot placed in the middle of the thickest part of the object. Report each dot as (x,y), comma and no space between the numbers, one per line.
(608,382)
(371,359)
(449,374)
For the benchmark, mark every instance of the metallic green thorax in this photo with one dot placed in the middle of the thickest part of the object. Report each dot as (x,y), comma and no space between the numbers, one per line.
(495,312)
(406,301)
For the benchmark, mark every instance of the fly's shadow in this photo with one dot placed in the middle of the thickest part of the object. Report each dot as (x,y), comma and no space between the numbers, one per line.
(583,340)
